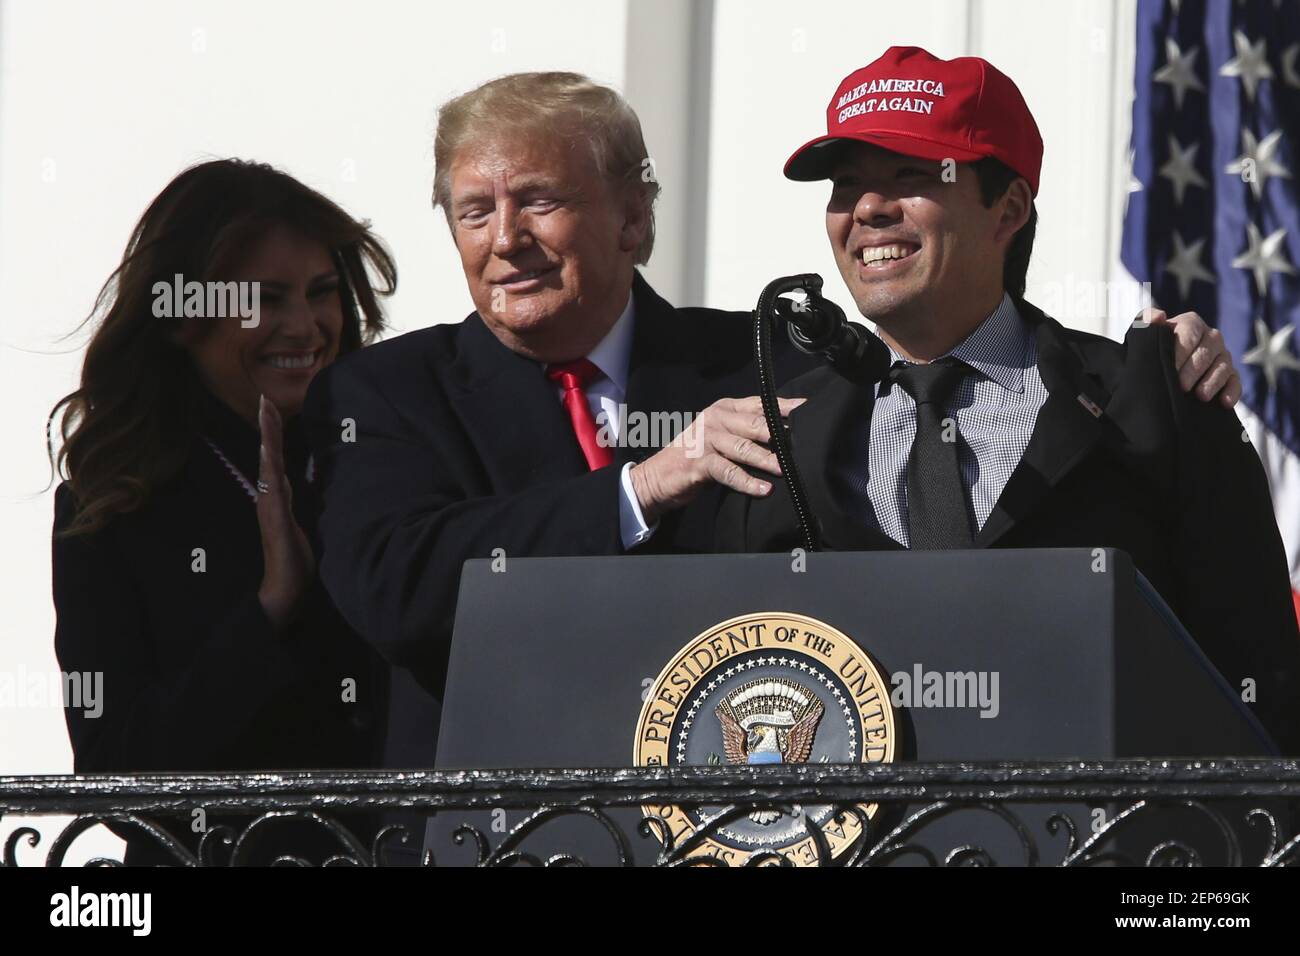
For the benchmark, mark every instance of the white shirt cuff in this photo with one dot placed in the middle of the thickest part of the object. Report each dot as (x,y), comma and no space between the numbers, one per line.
(631,523)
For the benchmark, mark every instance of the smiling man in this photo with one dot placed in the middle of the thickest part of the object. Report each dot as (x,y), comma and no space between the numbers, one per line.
(997,426)
(488,438)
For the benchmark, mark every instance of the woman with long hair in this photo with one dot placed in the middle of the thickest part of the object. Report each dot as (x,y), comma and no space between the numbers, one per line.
(183,569)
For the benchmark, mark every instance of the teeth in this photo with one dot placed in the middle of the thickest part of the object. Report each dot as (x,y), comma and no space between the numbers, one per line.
(878,253)
(291,362)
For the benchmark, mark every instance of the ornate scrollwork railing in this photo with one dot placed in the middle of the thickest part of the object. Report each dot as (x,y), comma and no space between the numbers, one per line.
(1152,812)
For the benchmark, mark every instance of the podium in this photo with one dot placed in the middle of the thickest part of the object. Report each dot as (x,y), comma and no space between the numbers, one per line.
(984,655)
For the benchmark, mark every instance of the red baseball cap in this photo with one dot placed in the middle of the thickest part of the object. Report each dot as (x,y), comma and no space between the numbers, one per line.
(911,102)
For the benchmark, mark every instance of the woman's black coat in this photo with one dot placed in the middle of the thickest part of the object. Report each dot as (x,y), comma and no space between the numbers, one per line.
(163,603)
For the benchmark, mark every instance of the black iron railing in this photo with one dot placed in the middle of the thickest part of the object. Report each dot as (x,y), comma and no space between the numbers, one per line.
(1153,812)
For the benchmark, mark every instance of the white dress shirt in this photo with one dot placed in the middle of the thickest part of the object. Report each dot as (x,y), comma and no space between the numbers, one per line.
(613,356)
(995,406)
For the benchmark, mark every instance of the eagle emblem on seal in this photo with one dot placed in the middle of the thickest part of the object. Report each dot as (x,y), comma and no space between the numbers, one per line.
(769,721)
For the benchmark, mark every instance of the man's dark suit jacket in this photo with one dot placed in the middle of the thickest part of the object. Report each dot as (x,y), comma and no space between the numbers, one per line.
(1157,473)
(463,447)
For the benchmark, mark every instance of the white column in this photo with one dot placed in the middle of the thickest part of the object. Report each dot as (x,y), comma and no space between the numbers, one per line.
(669,74)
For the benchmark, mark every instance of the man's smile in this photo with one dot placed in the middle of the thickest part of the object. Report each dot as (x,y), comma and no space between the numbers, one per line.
(881,259)
(519,281)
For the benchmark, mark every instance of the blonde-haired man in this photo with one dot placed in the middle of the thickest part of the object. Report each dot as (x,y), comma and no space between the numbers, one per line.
(495,432)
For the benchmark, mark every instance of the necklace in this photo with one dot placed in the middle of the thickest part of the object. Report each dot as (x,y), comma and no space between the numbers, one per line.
(230,467)
(239,475)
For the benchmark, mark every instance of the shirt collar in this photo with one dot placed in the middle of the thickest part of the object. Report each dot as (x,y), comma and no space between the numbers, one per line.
(613,354)
(998,348)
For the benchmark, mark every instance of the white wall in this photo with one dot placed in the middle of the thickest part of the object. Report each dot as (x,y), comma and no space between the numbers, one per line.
(102,102)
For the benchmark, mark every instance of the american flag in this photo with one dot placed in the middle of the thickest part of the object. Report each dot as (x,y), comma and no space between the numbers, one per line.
(1212,219)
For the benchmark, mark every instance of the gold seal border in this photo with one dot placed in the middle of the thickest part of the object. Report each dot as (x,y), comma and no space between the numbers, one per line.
(800,852)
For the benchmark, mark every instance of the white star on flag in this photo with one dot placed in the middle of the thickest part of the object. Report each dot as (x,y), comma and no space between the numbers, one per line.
(1272,352)
(1179,71)
(1181,168)
(1250,63)
(1264,257)
(1185,264)
(1134,184)
(1257,160)
(1289,72)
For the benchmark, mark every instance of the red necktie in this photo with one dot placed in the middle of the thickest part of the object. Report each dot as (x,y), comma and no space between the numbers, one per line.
(574,377)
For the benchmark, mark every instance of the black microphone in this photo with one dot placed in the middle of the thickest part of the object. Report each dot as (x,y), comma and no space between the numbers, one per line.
(817,326)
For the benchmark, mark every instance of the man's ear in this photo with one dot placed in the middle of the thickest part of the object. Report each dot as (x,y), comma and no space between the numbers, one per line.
(1014,205)
(636,219)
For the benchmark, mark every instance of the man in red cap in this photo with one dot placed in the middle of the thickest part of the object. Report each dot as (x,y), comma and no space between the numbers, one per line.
(997,426)
(918,121)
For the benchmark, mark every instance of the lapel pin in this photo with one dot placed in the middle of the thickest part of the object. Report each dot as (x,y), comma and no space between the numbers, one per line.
(1090,406)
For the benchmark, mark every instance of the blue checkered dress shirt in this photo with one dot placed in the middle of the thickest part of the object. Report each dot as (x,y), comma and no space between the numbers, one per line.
(995,407)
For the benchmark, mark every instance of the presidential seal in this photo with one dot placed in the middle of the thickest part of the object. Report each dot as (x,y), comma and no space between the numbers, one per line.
(765,688)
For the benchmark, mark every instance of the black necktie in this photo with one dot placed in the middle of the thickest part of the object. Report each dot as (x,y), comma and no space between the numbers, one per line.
(937,517)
